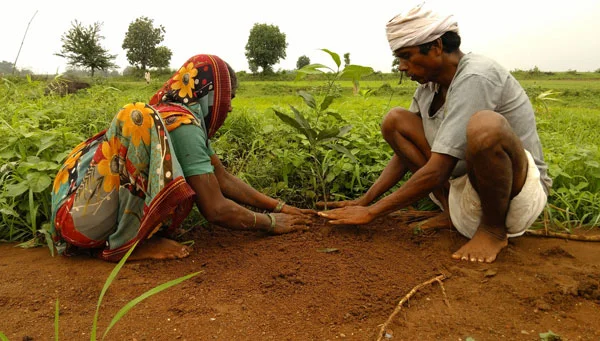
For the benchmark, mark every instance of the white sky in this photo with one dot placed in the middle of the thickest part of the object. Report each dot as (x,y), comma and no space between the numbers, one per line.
(553,35)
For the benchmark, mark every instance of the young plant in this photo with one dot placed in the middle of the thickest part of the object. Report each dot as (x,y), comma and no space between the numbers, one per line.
(322,128)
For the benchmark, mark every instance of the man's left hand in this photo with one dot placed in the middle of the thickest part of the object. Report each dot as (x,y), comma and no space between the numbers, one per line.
(349,215)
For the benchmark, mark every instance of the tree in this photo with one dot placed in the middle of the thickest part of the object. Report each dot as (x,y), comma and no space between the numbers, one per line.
(346,58)
(302,62)
(395,65)
(162,57)
(141,42)
(81,46)
(265,47)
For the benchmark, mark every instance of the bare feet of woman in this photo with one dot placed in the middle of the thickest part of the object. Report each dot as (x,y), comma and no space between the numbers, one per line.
(440,221)
(159,248)
(483,247)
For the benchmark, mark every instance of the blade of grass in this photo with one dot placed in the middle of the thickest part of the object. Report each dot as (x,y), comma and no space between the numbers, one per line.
(107,284)
(145,295)
(3,337)
(56,315)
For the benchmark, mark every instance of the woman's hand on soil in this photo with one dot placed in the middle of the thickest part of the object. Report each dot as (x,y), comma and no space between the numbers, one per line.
(286,223)
(297,211)
(349,215)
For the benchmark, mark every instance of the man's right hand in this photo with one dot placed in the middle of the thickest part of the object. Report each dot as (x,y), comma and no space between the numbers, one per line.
(340,204)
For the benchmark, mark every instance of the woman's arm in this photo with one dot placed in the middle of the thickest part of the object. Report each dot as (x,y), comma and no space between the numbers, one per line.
(224,212)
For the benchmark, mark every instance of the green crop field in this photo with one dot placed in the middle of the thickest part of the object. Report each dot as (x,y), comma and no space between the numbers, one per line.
(36,132)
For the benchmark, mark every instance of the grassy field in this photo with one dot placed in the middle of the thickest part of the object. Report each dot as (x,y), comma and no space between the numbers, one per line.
(36,132)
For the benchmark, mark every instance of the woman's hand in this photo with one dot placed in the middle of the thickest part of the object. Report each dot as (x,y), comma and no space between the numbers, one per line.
(286,223)
(297,211)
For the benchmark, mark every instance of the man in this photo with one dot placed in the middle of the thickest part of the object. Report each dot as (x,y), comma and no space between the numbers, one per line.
(469,139)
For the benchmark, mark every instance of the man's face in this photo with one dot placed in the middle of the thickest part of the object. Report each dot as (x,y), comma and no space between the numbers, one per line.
(419,67)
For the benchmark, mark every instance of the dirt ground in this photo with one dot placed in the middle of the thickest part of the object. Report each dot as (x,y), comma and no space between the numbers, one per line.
(323,284)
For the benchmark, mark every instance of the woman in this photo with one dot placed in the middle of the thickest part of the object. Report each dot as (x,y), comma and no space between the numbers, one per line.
(143,174)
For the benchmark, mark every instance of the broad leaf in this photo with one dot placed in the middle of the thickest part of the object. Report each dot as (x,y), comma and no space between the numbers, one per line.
(326,102)
(334,56)
(308,99)
(355,72)
(343,150)
(38,182)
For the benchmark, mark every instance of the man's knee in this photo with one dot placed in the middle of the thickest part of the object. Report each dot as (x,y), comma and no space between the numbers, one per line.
(487,129)
(394,120)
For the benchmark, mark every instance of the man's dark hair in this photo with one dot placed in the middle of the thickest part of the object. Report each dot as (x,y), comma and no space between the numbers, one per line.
(450,43)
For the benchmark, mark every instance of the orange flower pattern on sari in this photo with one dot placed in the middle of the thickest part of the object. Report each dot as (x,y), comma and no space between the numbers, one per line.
(63,174)
(109,166)
(184,80)
(137,122)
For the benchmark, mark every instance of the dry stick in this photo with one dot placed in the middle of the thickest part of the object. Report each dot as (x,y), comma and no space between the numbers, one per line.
(541,233)
(414,290)
(24,35)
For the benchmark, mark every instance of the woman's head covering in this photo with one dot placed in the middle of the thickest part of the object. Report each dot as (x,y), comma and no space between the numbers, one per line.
(418,26)
(203,86)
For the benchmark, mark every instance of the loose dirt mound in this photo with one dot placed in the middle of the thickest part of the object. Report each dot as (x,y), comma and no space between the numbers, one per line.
(323,284)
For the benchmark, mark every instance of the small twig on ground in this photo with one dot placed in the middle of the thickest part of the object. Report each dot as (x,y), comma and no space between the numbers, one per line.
(410,216)
(414,290)
(542,233)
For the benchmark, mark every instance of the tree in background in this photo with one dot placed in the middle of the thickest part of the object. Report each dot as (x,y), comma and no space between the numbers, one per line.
(81,47)
(346,58)
(265,47)
(395,65)
(141,42)
(302,62)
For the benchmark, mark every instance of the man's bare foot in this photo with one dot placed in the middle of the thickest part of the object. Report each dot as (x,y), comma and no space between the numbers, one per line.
(440,221)
(483,247)
(159,248)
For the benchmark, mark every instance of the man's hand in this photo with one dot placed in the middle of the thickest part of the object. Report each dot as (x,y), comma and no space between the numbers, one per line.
(340,204)
(297,211)
(349,215)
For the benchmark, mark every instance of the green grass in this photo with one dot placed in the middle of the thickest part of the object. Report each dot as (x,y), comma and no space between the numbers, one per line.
(36,132)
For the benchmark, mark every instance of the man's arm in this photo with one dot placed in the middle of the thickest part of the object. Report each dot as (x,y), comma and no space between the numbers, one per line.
(432,175)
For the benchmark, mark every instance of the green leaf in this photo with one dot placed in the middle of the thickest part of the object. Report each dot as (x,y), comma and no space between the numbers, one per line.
(334,56)
(288,120)
(38,182)
(327,134)
(308,99)
(46,141)
(145,295)
(13,190)
(107,284)
(355,72)
(56,315)
(311,69)
(335,114)
(3,337)
(343,150)
(326,102)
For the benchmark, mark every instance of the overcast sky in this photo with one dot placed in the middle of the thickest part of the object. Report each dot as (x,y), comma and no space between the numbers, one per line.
(553,35)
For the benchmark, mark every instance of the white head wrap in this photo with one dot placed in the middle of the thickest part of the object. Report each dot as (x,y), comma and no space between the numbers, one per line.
(418,26)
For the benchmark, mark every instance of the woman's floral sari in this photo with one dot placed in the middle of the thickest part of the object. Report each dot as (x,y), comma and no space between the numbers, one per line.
(125,184)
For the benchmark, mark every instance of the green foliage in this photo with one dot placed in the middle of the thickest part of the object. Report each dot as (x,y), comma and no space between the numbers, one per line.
(302,62)
(81,46)
(346,58)
(141,42)
(322,136)
(265,47)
